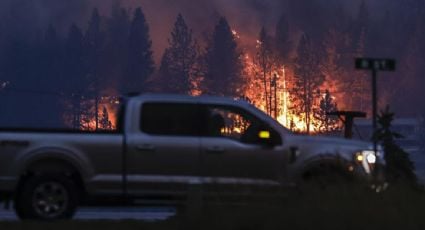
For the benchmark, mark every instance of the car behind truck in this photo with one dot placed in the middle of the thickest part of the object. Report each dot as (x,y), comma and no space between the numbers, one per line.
(165,145)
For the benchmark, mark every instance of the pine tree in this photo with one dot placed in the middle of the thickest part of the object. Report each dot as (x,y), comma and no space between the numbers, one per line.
(333,51)
(265,60)
(360,25)
(399,168)
(116,52)
(421,133)
(223,63)
(179,62)
(49,81)
(105,123)
(140,63)
(94,47)
(283,41)
(356,86)
(325,123)
(307,80)
(74,73)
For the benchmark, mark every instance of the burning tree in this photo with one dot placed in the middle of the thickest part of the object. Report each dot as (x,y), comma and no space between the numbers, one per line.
(179,63)
(105,123)
(265,63)
(330,65)
(307,80)
(323,122)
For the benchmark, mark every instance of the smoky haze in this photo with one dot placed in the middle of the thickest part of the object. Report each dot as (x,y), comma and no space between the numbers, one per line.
(392,24)
(246,16)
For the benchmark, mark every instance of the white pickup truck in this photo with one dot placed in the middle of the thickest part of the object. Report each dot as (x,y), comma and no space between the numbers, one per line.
(164,146)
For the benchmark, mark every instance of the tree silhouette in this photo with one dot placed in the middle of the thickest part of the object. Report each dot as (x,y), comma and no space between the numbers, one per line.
(179,62)
(116,47)
(105,123)
(323,122)
(399,167)
(73,73)
(265,62)
(284,45)
(94,48)
(356,88)
(223,63)
(307,80)
(360,24)
(422,132)
(49,80)
(140,63)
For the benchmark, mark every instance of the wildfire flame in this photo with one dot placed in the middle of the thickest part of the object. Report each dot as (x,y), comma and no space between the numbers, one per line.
(282,81)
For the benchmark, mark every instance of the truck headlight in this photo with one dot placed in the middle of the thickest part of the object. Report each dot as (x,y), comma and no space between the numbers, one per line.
(371,158)
(367,158)
(367,155)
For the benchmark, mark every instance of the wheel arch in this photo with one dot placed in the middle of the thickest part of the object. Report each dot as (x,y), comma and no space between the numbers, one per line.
(330,161)
(56,161)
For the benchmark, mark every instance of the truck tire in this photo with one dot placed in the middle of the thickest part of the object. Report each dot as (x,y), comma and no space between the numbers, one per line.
(46,197)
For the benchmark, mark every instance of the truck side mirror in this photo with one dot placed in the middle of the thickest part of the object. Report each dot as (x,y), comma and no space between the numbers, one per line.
(264,134)
(269,137)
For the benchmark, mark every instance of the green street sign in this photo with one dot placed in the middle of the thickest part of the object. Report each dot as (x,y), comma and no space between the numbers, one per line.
(375,64)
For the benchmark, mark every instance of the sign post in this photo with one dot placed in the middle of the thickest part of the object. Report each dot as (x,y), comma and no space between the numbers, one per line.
(375,65)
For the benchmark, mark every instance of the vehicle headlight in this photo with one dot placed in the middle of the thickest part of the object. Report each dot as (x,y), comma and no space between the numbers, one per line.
(368,155)
(367,158)
(371,158)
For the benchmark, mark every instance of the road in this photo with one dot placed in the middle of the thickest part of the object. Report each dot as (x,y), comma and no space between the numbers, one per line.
(146,214)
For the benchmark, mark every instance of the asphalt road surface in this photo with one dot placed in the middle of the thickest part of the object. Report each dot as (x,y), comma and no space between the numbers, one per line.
(146,214)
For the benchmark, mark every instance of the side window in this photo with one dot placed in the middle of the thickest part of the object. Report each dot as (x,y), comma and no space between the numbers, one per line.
(234,123)
(175,119)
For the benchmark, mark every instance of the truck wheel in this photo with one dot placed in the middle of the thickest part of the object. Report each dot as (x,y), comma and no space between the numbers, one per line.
(47,197)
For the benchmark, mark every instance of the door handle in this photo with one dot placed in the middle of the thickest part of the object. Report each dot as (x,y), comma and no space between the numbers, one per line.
(215,150)
(146,148)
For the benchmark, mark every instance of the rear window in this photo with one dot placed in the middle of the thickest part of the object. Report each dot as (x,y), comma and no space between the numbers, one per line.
(176,119)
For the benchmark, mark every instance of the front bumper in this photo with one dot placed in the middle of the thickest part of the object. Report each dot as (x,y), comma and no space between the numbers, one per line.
(374,179)
(379,181)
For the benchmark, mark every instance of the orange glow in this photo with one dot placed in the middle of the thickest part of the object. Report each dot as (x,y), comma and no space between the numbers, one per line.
(88,115)
(277,99)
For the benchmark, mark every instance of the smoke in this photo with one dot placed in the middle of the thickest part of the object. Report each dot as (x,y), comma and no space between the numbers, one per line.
(29,18)
(246,16)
